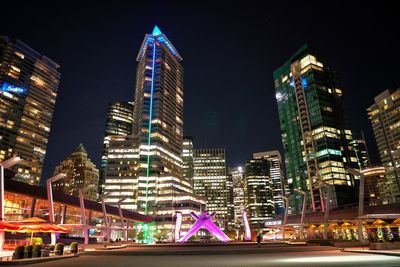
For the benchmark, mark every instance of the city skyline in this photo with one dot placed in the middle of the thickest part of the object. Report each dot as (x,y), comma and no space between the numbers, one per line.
(211,125)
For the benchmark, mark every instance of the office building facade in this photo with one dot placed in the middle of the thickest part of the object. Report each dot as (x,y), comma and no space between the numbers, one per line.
(237,174)
(384,115)
(119,122)
(210,181)
(28,90)
(277,178)
(258,192)
(187,158)
(315,133)
(121,183)
(80,172)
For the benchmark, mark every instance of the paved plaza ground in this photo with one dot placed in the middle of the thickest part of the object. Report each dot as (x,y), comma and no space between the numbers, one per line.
(275,255)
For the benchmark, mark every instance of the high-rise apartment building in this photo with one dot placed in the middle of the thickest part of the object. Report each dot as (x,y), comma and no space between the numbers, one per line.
(258,192)
(80,173)
(162,189)
(121,183)
(118,123)
(315,132)
(210,181)
(238,194)
(375,189)
(385,118)
(28,90)
(277,178)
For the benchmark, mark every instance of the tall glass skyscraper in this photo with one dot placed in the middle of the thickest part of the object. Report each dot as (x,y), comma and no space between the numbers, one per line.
(277,178)
(28,90)
(118,123)
(158,125)
(315,133)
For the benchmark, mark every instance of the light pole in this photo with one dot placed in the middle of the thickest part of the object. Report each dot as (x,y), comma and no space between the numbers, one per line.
(83,216)
(285,217)
(4,165)
(327,208)
(360,201)
(122,217)
(303,211)
(106,222)
(50,201)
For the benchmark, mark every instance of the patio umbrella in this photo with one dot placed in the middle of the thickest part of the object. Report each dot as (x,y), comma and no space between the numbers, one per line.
(396,222)
(9,227)
(35,225)
(377,223)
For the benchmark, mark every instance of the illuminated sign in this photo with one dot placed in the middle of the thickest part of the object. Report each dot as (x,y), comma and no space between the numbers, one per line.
(269,223)
(13,89)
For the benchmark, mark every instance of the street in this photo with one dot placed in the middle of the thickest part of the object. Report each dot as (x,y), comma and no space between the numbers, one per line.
(313,258)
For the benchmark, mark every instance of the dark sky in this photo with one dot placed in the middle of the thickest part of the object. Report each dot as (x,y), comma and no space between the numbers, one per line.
(229,49)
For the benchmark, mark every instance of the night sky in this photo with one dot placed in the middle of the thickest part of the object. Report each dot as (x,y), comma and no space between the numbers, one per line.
(230,51)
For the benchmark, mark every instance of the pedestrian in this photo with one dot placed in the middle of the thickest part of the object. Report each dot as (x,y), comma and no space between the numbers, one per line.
(259,240)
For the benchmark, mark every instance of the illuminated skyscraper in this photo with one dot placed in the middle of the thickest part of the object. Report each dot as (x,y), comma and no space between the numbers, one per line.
(315,133)
(158,125)
(258,192)
(277,178)
(119,123)
(360,147)
(238,194)
(187,157)
(121,171)
(80,172)
(28,90)
(385,118)
(210,181)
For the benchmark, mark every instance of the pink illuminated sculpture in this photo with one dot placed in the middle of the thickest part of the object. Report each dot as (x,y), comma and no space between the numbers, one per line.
(205,221)
(178,224)
(247,232)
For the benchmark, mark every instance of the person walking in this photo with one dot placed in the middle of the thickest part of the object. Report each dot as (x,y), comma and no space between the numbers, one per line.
(259,240)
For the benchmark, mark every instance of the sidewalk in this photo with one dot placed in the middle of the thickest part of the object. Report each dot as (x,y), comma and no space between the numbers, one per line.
(368,251)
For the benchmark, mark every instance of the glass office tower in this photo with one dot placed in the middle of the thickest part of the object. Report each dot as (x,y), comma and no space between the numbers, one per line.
(118,123)
(28,90)
(315,132)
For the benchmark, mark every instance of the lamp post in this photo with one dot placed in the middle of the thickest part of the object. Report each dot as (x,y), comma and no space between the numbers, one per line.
(303,211)
(50,201)
(83,216)
(285,217)
(106,222)
(4,165)
(122,217)
(360,201)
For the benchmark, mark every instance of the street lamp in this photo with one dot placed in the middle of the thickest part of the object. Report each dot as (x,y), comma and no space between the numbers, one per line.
(360,201)
(83,216)
(286,214)
(122,217)
(106,221)
(303,211)
(50,201)
(4,165)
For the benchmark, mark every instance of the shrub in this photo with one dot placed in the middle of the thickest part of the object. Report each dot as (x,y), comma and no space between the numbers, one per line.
(18,253)
(28,251)
(74,247)
(59,248)
(37,251)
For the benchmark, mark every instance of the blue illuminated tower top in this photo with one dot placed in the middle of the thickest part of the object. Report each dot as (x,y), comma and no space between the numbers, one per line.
(161,39)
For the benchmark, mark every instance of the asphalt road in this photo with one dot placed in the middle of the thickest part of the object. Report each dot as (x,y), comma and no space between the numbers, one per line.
(313,258)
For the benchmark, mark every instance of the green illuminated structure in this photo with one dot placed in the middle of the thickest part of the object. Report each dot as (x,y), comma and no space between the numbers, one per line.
(315,132)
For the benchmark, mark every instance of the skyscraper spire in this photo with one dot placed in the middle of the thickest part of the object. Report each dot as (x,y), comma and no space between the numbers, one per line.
(156,31)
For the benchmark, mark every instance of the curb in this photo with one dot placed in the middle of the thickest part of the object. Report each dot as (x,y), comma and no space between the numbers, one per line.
(386,253)
(37,260)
